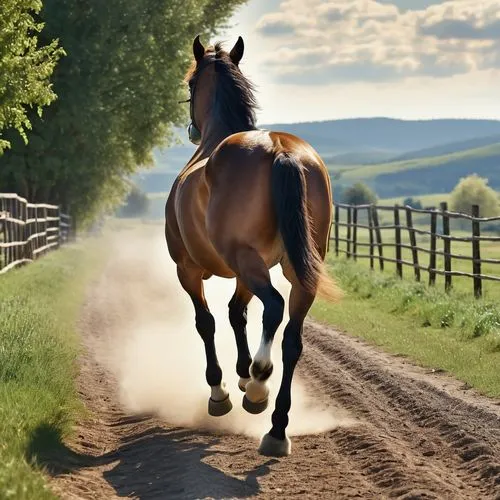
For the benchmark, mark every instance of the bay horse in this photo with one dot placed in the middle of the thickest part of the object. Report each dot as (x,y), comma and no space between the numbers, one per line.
(247,200)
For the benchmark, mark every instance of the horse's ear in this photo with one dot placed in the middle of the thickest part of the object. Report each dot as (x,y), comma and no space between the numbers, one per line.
(237,51)
(198,49)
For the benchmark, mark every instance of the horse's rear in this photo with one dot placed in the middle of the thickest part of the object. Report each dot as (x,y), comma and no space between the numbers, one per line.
(270,194)
(248,200)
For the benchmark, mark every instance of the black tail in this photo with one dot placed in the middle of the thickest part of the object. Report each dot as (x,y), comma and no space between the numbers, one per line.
(290,203)
(288,189)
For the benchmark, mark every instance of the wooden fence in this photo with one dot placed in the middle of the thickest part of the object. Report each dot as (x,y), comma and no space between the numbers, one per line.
(29,230)
(375,244)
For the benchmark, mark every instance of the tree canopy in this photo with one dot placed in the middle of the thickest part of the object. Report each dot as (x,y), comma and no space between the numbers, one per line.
(474,190)
(118,89)
(358,194)
(25,66)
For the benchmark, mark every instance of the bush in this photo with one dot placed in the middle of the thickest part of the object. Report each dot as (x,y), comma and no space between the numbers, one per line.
(136,204)
(411,202)
(358,194)
(474,190)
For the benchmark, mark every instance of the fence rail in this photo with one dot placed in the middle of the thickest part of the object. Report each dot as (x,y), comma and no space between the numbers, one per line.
(376,244)
(29,230)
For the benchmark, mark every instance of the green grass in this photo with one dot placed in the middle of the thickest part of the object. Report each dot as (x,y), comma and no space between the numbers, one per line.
(448,160)
(421,176)
(427,200)
(39,306)
(453,332)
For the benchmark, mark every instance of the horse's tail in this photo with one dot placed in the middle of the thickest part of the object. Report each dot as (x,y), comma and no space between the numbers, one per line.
(288,189)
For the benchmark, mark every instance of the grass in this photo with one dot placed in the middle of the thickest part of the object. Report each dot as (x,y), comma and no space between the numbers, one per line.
(453,332)
(427,200)
(39,306)
(475,154)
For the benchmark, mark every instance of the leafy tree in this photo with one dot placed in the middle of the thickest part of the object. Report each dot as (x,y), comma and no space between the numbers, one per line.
(25,66)
(136,205)
(474,190)
(358,194)
(412,202)
(118,90)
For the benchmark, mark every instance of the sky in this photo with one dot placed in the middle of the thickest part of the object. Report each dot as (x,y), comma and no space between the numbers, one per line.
(410,59)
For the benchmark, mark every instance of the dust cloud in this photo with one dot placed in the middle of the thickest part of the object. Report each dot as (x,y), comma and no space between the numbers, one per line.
(150,344)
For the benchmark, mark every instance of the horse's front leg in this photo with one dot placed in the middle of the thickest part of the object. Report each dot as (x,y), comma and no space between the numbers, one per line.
(190,278)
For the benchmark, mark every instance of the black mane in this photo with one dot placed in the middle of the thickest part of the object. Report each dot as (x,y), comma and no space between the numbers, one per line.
(235,103)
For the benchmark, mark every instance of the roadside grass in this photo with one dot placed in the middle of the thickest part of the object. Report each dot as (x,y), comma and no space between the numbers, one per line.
(39,308)
(453,332)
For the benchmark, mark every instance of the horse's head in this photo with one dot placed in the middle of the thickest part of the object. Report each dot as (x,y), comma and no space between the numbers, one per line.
(218,89)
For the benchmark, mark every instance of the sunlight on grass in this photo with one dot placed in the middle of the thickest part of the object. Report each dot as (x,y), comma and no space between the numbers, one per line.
(454,332)
(39,306)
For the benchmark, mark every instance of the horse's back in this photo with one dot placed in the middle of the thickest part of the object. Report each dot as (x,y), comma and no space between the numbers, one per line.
(239,175)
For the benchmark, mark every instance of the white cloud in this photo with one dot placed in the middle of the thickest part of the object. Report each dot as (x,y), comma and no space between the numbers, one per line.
(328,41)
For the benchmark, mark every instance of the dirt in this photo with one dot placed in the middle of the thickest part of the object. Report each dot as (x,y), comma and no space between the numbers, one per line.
(364,424)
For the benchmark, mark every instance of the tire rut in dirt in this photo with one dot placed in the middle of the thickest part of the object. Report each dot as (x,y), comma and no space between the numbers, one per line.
(438,444)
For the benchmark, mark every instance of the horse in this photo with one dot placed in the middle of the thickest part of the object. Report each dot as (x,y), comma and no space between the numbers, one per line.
(247,200)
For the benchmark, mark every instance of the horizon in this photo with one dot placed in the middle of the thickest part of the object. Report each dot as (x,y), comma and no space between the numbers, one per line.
(313,60)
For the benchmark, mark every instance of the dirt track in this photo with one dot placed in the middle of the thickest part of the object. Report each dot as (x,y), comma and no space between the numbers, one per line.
(401,432)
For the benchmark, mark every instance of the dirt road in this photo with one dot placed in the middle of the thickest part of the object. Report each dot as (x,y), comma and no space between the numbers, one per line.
(366,424)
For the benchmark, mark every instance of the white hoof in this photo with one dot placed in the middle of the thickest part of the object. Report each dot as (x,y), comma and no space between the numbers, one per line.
(272,447)
(257,392)
(242,383)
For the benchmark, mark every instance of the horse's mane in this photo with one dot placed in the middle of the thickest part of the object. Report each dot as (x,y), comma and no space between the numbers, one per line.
(235,102)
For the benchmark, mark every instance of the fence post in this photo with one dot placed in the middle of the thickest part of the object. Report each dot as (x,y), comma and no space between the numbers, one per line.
(354,232)
(15,228)
(476,252)
(5,251)
(370,232)
(348,237)
(397,226)
(378,236)
(413,243)
(447,246)
(432,256)
(336,230)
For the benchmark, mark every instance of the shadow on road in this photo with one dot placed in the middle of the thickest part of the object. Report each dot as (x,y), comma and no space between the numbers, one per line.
(155,463)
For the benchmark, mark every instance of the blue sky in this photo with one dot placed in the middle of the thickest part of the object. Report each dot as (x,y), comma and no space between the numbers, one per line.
(326,59)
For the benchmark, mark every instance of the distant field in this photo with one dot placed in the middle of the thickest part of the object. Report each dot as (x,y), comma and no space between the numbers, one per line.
(427,200)
(426,175)
(448,160)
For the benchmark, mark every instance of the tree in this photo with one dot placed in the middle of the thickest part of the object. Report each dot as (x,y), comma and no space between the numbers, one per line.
(118,90)
(412,202)
(359,194)
(474,190)
(136,205)
(25,66)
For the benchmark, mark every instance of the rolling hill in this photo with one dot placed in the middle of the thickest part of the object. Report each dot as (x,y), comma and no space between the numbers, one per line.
(445,149)
(438,174)
(431,154)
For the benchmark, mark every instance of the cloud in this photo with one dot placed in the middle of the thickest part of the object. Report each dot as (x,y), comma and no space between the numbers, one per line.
(374,40)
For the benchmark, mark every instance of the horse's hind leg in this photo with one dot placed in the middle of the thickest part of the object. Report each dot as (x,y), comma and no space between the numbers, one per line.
(276,443)
(238,319)
(191,280)
(253,272)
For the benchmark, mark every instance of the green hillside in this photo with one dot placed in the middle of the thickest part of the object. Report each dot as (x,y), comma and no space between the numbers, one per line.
(449,148)
(426,146)
(438,174)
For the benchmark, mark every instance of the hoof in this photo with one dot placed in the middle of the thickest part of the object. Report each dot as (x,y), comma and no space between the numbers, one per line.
(242,383)
(219,408)
(254,408)
(272,447)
